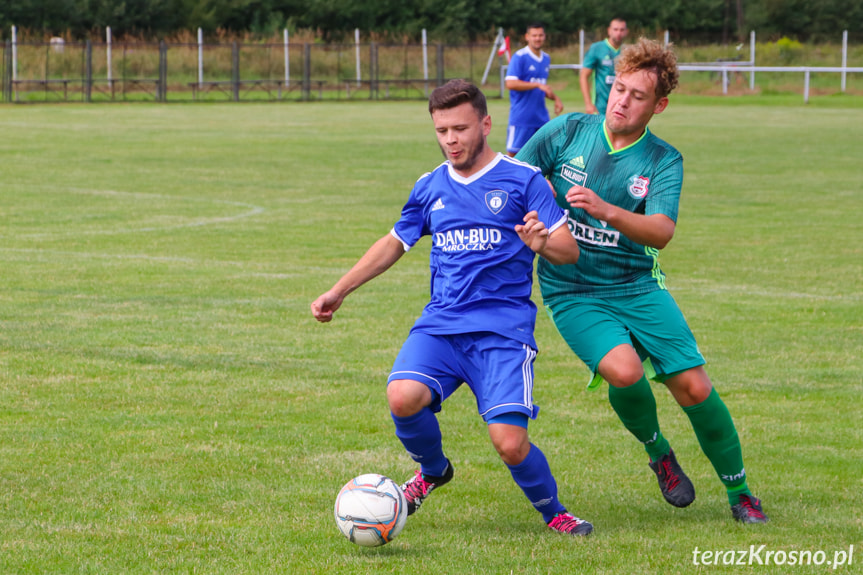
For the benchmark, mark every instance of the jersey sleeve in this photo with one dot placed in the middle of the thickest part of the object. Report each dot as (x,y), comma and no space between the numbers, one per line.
(664,194)
(541,199)
(592,58)
(513,71)
(412,225)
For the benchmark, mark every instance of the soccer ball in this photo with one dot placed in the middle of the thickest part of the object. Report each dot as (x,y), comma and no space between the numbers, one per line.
(371,510)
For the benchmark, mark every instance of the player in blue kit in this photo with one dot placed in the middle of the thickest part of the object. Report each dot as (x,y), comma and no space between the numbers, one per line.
(527,82)
(487,215)
(621,185)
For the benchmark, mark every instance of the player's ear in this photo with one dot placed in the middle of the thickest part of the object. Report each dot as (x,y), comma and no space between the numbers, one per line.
(661,105)
(486,125)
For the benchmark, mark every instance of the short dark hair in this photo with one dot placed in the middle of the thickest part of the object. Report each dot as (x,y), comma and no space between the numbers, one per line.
(455,93)
(533,25)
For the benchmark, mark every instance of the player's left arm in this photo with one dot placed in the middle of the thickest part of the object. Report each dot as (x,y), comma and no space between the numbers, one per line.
(654,230)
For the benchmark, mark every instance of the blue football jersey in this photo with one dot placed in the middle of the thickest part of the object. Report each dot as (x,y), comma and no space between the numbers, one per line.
(481,271)
(527,107)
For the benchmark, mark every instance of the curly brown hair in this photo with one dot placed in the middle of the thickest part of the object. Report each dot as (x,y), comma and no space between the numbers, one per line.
(650,56)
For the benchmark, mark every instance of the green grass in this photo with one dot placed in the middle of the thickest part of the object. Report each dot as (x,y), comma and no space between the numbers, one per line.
(168,404)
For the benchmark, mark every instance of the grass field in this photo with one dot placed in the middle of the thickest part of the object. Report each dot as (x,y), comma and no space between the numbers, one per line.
(168,404)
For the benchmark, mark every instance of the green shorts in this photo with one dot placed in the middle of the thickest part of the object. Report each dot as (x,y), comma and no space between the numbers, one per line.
(650,322)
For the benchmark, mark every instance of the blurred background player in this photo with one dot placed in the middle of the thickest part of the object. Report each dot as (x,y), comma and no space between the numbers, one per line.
(527,82)
(622,187)
(486,214)
(599,61)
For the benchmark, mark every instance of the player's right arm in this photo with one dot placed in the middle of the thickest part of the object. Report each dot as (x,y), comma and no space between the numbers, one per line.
(378,259)
(584,82)
(522,85)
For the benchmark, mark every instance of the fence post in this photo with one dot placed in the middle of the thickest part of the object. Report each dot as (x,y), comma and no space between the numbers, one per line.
(581,46)
(373,71)
(14,53)
(108,60)
(6,79)
(307,70)
(88,70)
(426,62)
(844,56)
(162,91)
(200,58)
(235,71)
(357,51)
(752,59)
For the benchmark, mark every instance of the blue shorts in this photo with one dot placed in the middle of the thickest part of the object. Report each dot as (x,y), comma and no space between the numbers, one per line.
(651,322)
(517,136)
(498,370)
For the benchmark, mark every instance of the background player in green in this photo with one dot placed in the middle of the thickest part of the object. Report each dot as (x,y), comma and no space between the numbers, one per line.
(622,187)
(599,60)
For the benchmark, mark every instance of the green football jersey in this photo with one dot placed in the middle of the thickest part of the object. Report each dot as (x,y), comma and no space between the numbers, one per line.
(645,178)
(600,58)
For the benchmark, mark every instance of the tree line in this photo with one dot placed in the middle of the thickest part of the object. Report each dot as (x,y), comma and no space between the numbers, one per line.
(450,21)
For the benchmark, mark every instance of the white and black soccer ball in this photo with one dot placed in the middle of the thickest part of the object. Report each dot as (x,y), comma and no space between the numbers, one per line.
(371,510)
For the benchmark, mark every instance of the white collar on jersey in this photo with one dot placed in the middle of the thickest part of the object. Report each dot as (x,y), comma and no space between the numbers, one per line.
(469,180)
(526,50)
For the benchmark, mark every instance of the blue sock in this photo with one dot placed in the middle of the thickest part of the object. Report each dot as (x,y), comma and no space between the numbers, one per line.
(420,435)
(534,477)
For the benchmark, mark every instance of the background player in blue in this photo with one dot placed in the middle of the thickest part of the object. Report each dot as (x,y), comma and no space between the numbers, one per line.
(487,215)
(612,307)
(599,61)
(527,82)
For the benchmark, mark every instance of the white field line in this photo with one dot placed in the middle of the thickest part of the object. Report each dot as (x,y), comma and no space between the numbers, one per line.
(252,210)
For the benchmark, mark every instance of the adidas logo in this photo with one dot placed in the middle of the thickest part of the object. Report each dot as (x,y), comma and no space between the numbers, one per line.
(438,205)
(578,162)
(532,68)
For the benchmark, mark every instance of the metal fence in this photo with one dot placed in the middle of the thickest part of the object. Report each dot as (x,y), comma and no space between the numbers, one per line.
(162,72)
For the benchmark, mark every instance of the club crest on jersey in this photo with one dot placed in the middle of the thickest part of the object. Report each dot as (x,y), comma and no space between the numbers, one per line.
(495,200)
(638,186)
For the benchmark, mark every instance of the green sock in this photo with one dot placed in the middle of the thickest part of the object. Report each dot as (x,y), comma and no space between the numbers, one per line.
(636,408)
(718,438)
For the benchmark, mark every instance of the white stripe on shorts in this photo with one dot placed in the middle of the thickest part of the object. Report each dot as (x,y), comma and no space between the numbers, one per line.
(527,374)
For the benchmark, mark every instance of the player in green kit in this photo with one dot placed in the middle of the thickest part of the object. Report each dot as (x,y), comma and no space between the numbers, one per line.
(622,186)
(599,61)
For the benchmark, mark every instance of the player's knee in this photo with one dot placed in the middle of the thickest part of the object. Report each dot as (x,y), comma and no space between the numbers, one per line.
(407,397)
(624,374)
(690,387)
(512,447)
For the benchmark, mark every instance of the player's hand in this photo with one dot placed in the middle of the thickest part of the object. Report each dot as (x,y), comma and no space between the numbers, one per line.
(591,109)
(326,304)
(558,106)
(533,232)
(586,199)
